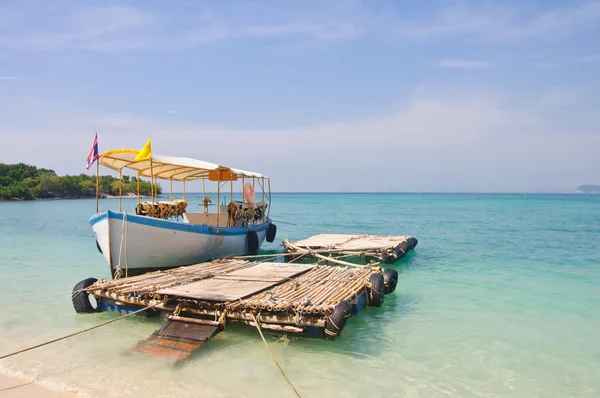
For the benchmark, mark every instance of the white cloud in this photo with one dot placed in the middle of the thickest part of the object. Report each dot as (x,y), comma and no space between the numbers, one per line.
(499,24)
(104,29)
(545,65)
(466,143)
(590,58)
(9,78)
(461,64)
(561,96)
(173,112)
(215,32)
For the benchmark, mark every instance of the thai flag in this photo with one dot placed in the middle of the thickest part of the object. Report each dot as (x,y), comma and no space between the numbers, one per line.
(93,156)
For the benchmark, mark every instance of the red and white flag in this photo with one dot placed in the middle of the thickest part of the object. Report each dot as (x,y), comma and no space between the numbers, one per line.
(94,155)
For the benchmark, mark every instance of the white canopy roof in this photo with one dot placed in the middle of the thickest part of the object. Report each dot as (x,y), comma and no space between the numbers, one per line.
(166,167)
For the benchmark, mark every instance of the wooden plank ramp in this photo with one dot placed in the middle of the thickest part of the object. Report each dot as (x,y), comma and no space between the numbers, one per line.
(386,249)
(177,339)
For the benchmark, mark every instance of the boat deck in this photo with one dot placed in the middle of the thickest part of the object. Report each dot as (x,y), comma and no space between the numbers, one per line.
(200,300)
(386,249)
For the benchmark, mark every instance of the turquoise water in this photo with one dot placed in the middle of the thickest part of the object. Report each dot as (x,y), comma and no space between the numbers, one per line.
(500,298)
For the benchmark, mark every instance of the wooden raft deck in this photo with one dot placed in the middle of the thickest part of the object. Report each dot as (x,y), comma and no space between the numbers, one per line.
(200,300)
(386,249)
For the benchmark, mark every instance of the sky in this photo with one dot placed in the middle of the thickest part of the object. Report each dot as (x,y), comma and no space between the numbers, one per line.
(386,95)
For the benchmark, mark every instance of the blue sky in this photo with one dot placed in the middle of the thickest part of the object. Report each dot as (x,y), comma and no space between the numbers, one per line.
(319,95)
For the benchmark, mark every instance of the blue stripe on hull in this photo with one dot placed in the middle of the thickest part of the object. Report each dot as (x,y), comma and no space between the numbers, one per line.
(178,226)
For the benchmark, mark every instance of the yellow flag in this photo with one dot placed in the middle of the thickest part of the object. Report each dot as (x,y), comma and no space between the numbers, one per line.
(145,152)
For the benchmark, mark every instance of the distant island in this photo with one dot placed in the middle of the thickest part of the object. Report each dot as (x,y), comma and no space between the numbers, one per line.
(588,189)
(25,182)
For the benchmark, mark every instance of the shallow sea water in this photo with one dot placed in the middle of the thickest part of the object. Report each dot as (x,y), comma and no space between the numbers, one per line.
(501,298)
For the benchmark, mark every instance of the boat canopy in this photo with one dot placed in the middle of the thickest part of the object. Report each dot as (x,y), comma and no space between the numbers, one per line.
(171,168)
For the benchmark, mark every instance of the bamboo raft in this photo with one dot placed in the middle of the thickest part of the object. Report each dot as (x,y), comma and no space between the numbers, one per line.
(198,301)
(368,248)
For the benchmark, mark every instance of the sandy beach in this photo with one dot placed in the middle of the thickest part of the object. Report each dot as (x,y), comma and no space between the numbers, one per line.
(16,387)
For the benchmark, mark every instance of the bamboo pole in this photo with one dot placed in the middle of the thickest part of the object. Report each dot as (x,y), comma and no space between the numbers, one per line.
(340,262)
(345,251)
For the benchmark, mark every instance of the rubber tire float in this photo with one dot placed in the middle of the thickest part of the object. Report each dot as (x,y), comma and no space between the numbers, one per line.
(81,297)
(252,242)
(271,232)
(376,291)
(336,322)
(390,280)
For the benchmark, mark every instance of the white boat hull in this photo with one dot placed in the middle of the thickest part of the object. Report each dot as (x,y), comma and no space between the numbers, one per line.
(139,244)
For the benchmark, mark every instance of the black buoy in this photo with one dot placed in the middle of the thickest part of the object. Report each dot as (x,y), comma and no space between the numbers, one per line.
(271,232)
(252,242)
(81,297)
(336,322)
(390,280)
(377,290)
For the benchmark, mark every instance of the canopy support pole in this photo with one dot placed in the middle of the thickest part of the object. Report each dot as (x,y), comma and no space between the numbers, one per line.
(184,195)
(120,188)
(138,187)
(152,180)
(171,189)
(218,200)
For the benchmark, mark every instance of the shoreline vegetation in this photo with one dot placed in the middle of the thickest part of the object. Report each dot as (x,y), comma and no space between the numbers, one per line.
(21,181)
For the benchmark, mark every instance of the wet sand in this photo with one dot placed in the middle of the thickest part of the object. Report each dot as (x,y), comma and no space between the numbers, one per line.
(16,387)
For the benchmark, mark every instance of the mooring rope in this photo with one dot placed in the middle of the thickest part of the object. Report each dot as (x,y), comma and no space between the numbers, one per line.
(317,227)
(41,298)
(78,332)
(272,356)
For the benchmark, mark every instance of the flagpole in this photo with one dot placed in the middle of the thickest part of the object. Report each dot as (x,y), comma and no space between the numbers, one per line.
(97,172)
(152,169)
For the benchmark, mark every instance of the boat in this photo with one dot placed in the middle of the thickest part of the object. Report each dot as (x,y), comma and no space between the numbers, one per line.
(160,235)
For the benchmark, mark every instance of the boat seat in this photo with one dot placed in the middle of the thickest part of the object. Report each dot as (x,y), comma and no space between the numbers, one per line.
(163,209)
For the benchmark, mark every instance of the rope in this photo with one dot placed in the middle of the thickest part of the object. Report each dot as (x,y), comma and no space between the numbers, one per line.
(118,271)
(126,229)
(272,356)
(318,228)
(76,333)
(40,298)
